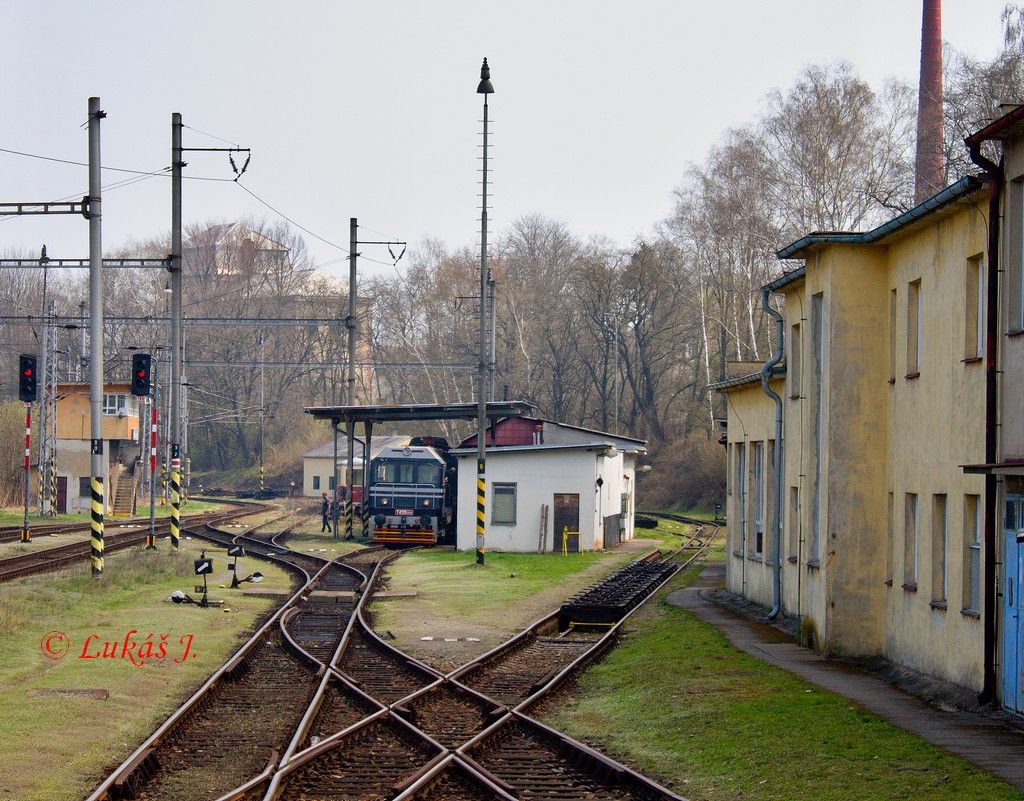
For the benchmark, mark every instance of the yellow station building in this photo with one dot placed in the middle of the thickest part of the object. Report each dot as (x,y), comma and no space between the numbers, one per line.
(902,450)
(121,437)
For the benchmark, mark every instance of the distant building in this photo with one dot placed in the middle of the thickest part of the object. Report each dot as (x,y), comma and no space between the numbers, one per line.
(902,482)
(233,249)
(586,480)
(121,447)
(317,464)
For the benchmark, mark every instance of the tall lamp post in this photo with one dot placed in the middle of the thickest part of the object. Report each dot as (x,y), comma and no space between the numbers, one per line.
(484,88)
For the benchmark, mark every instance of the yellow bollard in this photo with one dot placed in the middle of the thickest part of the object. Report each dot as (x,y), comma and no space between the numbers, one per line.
(565,540)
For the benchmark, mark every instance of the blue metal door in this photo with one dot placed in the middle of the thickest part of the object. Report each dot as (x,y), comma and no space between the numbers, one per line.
(1013,604)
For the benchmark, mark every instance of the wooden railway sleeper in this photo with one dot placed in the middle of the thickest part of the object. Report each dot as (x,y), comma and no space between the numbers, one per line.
(408,781)
(501,783)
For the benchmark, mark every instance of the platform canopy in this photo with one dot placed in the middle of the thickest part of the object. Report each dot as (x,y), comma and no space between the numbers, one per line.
(417,412)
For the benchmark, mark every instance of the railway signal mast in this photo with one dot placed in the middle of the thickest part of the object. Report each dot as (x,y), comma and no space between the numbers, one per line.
(27,393)
(484,88)
(143,386)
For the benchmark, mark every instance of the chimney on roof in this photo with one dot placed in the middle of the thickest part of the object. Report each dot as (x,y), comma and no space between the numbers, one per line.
(929,165)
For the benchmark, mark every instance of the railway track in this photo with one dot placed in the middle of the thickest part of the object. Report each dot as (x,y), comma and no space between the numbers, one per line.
(694,521)
(369,722)
(235,726)
(466,735)
(64,555)
(530,760)
(382,672)
(13,533)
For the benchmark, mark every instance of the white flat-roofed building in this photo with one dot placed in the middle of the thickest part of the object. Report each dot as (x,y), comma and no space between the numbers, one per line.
(585,479)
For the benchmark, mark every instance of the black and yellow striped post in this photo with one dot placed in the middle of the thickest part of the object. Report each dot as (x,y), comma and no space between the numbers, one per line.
(364,509)
(96,540)
(175,502)
(53,486)
(481,500)
(348,518)
(364,502)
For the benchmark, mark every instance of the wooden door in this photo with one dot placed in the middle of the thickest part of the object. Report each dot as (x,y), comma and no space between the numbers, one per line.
(62,494)
(567,516)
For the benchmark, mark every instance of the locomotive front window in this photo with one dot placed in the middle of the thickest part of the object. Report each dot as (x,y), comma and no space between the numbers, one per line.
(386,473)
(405,473)
(428,474)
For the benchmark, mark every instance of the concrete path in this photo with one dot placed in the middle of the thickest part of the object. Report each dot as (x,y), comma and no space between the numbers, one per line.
(982,741)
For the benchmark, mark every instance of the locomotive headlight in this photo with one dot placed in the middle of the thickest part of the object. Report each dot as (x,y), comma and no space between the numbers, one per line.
(384,501)
(426,503)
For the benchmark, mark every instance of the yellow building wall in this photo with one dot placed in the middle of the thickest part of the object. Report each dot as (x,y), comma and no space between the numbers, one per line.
(877,438)
(751,420)
(936,424)
(73,420)
(853,521)
(321,466)
(803,582)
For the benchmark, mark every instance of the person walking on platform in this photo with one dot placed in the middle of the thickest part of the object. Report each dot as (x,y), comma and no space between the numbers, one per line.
(325,515)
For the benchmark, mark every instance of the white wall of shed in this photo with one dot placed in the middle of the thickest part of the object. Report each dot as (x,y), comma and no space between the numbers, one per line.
(540,475)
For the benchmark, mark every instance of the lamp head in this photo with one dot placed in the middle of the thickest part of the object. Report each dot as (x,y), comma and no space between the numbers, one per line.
(485,87)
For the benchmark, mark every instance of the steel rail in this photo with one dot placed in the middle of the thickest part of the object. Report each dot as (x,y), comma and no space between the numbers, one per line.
(456,757)
(220,537)
(59,556)
(154,739)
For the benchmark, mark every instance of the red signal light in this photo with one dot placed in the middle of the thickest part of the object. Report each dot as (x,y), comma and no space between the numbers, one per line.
(28,373)
(141,374)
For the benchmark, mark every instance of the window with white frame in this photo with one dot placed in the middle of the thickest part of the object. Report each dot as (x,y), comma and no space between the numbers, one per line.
(914,329)
(974,310)
(503,504)
(115,404)
(972,553)
(795,355)
(939,550)
(910,540)
(758,516)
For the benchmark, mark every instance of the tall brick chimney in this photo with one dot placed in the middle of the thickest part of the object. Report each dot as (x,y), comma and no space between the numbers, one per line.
(929,165)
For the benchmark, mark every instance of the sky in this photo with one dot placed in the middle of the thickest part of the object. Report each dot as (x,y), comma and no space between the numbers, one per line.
(370,110)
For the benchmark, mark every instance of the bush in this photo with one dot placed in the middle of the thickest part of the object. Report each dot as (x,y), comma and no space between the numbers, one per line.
(686,473)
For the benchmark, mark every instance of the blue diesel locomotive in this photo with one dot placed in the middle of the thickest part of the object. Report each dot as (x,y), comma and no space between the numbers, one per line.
(412,492)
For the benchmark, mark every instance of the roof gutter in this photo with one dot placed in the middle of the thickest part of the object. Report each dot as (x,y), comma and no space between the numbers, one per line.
(995,175)
(766,376)
(950,194)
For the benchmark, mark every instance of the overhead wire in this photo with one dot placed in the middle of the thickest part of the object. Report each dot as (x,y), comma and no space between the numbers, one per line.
(212,136)
(165,172)
(284,216)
